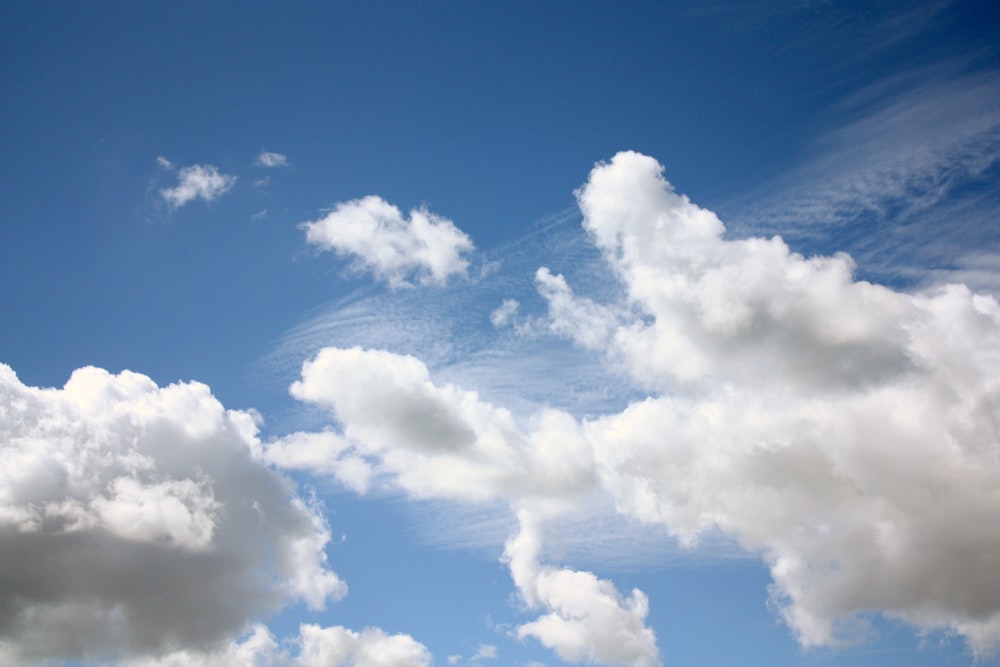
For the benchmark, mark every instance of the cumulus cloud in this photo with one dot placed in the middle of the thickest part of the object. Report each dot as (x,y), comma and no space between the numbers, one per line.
(843,431)
(200,181)
(846,432)
(340,647)
(136,519)
(588,620)
(316,647)
(270,159)
(443,441)
(425,246)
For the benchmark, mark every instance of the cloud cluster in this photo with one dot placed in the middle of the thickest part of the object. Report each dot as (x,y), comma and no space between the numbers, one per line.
(444,442)
(200,181)
(845,432)
(425,247)
(136,519)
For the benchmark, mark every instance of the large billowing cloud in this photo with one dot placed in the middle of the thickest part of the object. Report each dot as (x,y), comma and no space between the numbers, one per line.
(136,519)
(845,432)
(199,181)
(425,247)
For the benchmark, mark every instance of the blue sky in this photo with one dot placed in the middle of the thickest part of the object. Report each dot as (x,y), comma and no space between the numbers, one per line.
(499,333)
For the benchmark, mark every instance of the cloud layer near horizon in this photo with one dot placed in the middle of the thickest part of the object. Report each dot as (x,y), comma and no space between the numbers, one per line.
(844,432)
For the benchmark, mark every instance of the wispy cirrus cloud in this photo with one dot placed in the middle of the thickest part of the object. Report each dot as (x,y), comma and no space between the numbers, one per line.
(135,519)
(198,181)
(904,186)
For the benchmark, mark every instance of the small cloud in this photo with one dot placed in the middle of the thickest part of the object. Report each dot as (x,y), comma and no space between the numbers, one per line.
(269,159)
(505,313)
(164,162)
(259,215)
(394,248)
(262,183)
(486,652)
(200,181)
(454,659)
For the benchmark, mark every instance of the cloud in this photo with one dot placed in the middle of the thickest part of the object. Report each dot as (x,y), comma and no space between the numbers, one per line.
(442,441)
(337,646)
(426,247)
(844,431)
(164,162)
(269,159)
(904,184)
(317,646)
(505,312)
(485,652)
(198,182)
(136,519)
(588,620)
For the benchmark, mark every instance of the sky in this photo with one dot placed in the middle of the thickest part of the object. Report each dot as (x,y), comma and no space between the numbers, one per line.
(527,333)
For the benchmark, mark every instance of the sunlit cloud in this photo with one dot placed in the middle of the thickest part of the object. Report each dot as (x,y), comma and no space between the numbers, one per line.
(198,181)
(424,247)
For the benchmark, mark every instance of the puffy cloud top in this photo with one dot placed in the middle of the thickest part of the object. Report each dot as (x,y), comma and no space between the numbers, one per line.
(136,519)
(395,249)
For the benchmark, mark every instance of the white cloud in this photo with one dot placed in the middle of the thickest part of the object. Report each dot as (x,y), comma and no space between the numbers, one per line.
(395,249)
(198,182)
(845,431)
(324,453)
(442,441)
(269,159)
(135,518)
(904,185)
(588,620)
(164,162)
(259,215)
(505,312)
(340,647)
(317,646)
(486,652)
